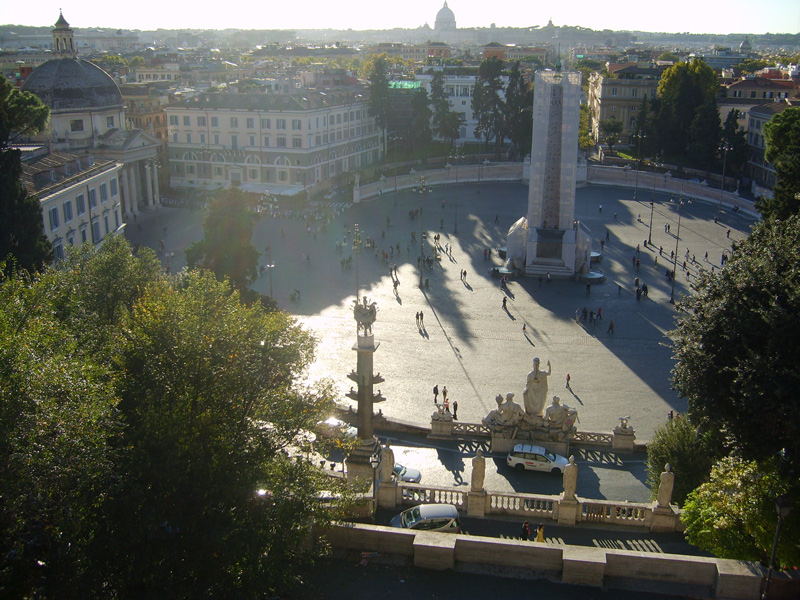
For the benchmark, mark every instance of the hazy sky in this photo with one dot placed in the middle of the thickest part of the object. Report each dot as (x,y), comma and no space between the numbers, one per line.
(697,16)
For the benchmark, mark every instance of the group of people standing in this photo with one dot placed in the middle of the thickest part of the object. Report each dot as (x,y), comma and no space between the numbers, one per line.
(525,534)
(445,400)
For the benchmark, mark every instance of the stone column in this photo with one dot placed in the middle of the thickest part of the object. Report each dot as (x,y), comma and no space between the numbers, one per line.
(130,197)
(155,185)
(133,173)
(149,184)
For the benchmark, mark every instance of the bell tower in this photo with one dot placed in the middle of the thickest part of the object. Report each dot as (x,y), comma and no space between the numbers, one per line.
(63,39)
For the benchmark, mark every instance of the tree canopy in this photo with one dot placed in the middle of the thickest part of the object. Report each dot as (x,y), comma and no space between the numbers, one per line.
(226,248)
(782,137)
(23,244)
(488,106)
(379,106)
(611,129)
(141,414)
(738,345)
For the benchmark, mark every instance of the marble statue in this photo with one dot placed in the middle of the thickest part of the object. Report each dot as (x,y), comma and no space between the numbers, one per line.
(570,479)
(365,315)
(665,487)
(535,392)
(556,415)
(357,182)
(507,413)
(387,463)
(478,472)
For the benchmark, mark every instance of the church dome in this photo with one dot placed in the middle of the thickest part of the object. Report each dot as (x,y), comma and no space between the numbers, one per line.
(445,19)
(73,84)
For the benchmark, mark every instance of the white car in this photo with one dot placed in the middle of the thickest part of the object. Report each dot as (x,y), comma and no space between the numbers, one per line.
(535,458)
(406,474)
(333,427)
(429,517)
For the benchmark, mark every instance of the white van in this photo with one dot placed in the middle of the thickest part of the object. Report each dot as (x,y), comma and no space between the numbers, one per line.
(429,517)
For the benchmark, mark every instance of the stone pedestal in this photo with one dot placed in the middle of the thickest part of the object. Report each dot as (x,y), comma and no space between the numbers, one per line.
(665,520)
(568,512)
(387,494)
(476,504)
(623,439)
(362,460)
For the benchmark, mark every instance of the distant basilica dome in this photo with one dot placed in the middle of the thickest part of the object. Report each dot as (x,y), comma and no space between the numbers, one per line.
(69,83)
(445,19)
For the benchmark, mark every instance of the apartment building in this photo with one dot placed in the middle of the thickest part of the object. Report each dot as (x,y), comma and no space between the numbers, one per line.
(757,169)
(619,96)
(281,143)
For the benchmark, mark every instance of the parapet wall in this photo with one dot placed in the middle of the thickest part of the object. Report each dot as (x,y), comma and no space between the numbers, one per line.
(598,567)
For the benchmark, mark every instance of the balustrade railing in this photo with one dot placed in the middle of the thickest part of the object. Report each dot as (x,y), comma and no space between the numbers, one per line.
(412,494)
(595,439)
(477,429)
(611,513)
(523,505)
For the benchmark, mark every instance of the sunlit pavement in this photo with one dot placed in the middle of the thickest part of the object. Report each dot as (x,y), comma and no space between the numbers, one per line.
(469,343)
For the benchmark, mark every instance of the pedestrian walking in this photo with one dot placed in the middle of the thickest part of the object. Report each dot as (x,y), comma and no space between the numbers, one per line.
(421,320)
(728,233)
(444,393)
(526,532)
(601,208)
(465,275)
(608,234)
(540,533)
(417,318)
(436,393)
(524,328)
(610,328)
(497,218)
(568,378)
(505,299)
(600,313)
(455,409)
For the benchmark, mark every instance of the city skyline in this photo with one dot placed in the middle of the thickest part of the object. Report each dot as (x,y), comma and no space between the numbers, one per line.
(737,16)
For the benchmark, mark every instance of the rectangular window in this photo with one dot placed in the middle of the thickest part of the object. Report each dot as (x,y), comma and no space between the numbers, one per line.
(635,93)
(76,125)
(103,192)
(175,138)
(265,124)
(67,211)
(58,252)
(53,218)
(234,122)
(114,188)
(253,174)
(281,123)
(116,217)
(71,239)
(80,204)
(173,119)
(92,198)
(266,141)
(281,142)
(216,139)
(83,234)
(297,124)
(188,138)
(105,221)
(201,121)
(252,140)
(338,119)
(96,231)
(251,123)
(613,91)
(190,169)
(187,121)
(217,171)
(753,94)
(297,143)
(235,142)
(202,138)
(214,122)
(109,122)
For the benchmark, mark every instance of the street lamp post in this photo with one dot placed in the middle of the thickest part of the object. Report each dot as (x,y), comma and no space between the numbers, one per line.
(724,147)
(269,266)
(640,136)
(421,189)
(681,202)
(650,232)
(783,506)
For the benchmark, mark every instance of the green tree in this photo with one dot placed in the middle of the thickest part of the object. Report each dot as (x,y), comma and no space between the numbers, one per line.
(737,345)
(379,105)
(782,137)
(611,129)
(450,128)
(488,106)
(736,140)
(704,135)
(23,244)
(682,90)
(226,248)
(439,103)
(751,65)
(519,106)
(690,454)
(585,140)
(733,515)
(420,133)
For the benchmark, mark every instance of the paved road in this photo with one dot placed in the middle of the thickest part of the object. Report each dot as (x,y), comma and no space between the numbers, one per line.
(469,343)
